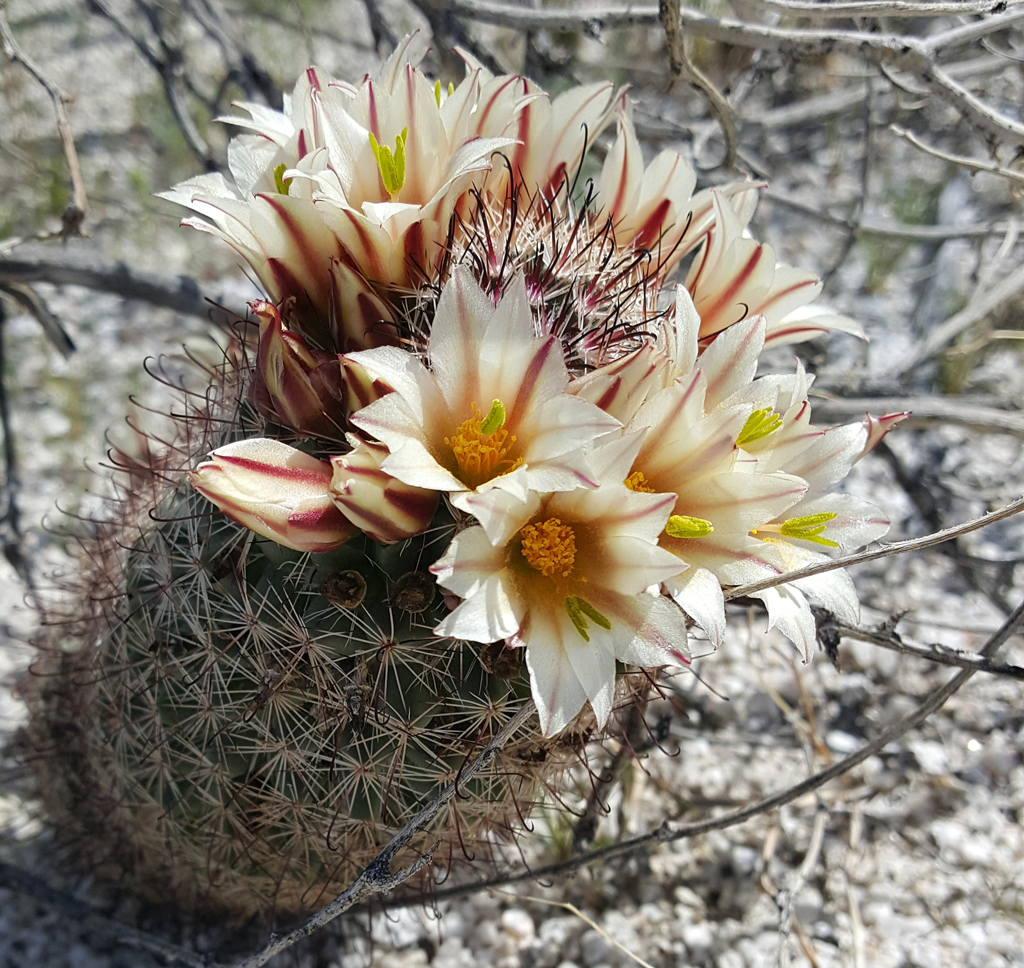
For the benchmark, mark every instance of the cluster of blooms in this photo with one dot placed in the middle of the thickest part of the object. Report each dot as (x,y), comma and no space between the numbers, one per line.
(604,498)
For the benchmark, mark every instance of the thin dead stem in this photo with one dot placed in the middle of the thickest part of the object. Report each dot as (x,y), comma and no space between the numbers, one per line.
(74,214)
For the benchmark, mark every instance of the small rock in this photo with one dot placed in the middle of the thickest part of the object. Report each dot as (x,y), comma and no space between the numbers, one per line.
(930,755)
(555,932)
(594,948)
(698,939)
(744,859)
(518,923)
(840,742)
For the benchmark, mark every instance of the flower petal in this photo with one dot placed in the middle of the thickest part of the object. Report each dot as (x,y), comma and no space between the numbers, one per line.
(699,594)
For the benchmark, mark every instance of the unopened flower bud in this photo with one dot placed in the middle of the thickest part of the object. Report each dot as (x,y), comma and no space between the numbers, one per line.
(275,490)
(294,384)
(387,509)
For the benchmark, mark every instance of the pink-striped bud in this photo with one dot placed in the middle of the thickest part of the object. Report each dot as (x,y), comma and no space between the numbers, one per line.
(359,387)
(384,507)
(358,318)
(295,385)
(277,491)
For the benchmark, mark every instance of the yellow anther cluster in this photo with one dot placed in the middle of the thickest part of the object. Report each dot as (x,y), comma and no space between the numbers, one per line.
(480,451)
(637,482)
(549,547)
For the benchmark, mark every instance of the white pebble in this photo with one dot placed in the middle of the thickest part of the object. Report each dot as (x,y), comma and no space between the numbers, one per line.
(518,923)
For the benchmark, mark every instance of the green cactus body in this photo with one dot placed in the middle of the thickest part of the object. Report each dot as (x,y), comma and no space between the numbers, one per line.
(242,727)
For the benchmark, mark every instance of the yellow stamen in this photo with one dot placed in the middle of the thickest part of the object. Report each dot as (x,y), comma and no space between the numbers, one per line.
(759,424)
(808,528)
(637,482)
(549,547)
(281,183)
(683,526)
(391,165)
(481,446)
(579,610)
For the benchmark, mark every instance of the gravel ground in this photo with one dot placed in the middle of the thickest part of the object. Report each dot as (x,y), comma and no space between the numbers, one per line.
(913,858)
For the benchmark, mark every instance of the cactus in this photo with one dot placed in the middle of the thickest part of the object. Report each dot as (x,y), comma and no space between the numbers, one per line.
(241,727)
(505,433)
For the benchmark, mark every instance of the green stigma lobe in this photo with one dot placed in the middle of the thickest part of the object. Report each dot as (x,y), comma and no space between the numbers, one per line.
(437,91)
(391,164)
(683,526)
(281,183)
(579,610)
(494,420)
(759,424)
(808,528)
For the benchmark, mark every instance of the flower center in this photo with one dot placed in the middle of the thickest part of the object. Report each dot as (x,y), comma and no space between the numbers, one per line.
(637,482)
(549,547)
(481,445)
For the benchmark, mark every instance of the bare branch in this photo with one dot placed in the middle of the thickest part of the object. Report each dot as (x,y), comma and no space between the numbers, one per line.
(684,67)
(958,97)
(179,293)
(902,52)
(818,10)
(942,654)
(895,548)
(243,65)
(974,165)
(167,60)
(917,233)
(36,306)
(975,30)
(75,213)
(378,878)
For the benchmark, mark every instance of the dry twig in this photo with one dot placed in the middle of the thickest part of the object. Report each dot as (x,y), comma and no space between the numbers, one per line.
(683,67)
(973,165)
(901,52)
(179,293)
(74,215)
(887,638)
